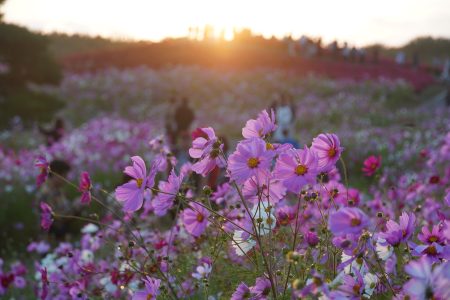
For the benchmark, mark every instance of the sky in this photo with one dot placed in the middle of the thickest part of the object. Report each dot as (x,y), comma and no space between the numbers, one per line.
(360,22)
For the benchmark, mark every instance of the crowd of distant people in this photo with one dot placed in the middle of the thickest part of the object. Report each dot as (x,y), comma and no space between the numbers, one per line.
(307,47)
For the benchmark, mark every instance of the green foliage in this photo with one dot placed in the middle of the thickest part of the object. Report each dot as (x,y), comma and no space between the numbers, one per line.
(29,106)
(62,45)
(27,56)
(28,61)
(401,96)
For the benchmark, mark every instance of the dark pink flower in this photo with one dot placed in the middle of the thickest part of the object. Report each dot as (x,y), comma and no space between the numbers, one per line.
(328,149)
(85,188)
(45,284)
(43,165)
(371,165)
(195,219)
(46,216)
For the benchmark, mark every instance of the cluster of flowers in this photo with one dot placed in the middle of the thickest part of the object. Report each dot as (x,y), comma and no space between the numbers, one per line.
(222,98)
(101,145)
(283,224)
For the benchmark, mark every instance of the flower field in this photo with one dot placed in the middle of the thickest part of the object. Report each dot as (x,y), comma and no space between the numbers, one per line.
(359,209)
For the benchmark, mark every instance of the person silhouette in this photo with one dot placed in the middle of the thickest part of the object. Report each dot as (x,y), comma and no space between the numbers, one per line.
(54,134)
(184,116)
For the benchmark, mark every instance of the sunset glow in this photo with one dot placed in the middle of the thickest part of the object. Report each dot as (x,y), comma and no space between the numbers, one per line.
(390,22)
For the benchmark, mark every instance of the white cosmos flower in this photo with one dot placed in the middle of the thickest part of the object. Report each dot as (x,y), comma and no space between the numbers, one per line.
(202,271)
(384,250)
(90,228)
(370,282)
(262,212)
(362,268)
(241,245)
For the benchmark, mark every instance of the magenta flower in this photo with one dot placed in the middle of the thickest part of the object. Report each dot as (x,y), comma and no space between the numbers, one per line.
(195,219)
(250,159)
(296,168)
(168,190)
(46,216)
(312,239)
(348,220)
(371,165)
(242,292)
(352,287)
(260,127)
(151,290)
(132,192)
(45,284)
(261,289)
(397,233)
(434,236)
(43,165)
(435,251)
(85,188)
(328,149)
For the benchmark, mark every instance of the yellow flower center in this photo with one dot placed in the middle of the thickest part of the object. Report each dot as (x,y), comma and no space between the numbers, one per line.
(431,250)
(149,297)
(253,162)
(269,146)
(332,152)
(139,182)
(355,222)
(200,217)
(356,288)
(301,170)
(432,239)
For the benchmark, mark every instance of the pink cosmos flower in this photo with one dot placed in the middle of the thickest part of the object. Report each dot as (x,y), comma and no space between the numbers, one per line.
(260,127)
(205,147)
(151,290)
(43,165)
(371,165)
(195,219)
(427,282)
(46,216)
(262,288)
(168,190)
(271,190)
(348,220)
(296,168)
(328,149)
(242,292)
(203,141)
(85,188)
(132,192)
(250,159)
(399,232)
(434,236)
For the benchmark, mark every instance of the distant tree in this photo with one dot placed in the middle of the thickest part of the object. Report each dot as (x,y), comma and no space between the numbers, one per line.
(24,59)
(1,3)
